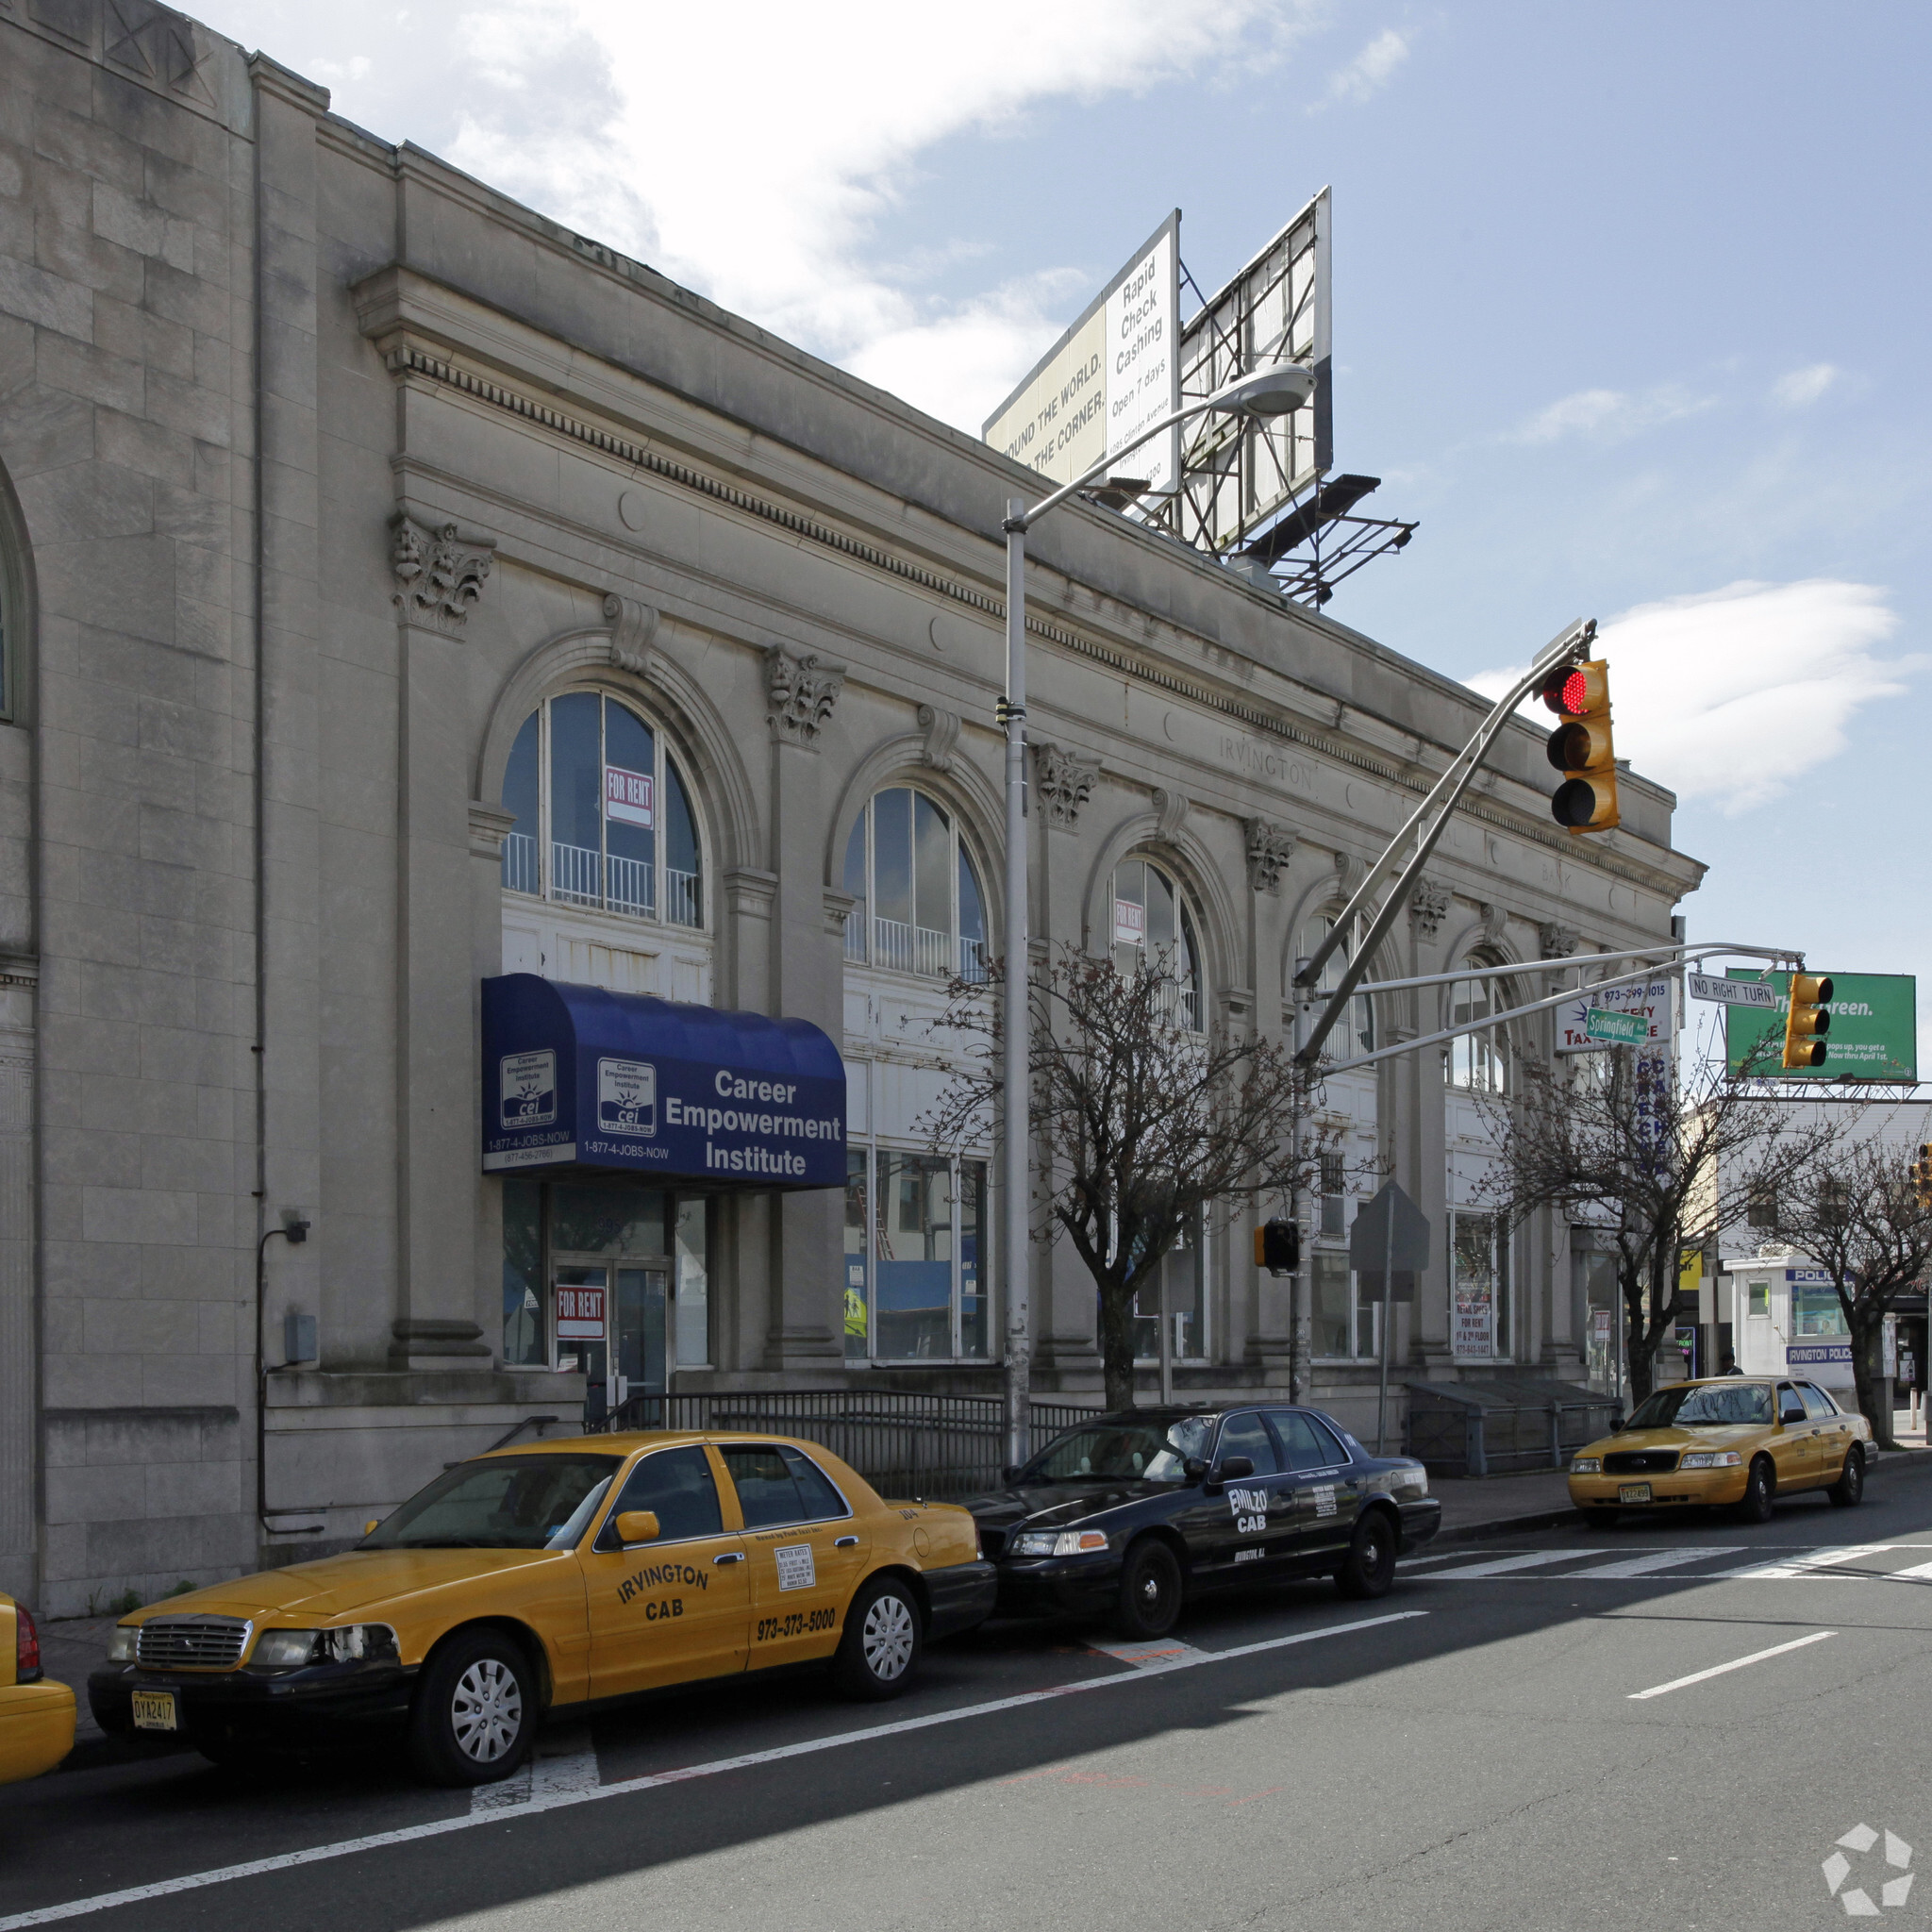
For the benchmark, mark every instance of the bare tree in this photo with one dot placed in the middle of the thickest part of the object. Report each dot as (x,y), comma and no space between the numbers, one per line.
(1608,1139)
(1144,1126)
(1856,1212)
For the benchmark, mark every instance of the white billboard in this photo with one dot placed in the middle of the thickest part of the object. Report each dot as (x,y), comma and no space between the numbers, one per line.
(1652,1002)
(1116,371)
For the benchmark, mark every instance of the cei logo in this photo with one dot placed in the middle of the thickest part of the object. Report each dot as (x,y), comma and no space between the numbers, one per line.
(1857,1899)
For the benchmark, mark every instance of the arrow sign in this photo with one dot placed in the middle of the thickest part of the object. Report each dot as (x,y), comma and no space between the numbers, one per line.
(1732,993)
(1391,1233)
(1622,1029)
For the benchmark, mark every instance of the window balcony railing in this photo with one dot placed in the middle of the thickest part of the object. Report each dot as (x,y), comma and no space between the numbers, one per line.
(582,876)
(921,949)
(973,960)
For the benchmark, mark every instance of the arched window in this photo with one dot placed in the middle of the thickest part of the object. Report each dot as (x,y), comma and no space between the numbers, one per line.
(1153,927)
(920,908)
(604,817)
(1478,1062)
(1357,1034)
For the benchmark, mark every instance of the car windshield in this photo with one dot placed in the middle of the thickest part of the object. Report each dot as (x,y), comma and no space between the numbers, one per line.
(501,1503)
(1122,1451)
(1704,1402)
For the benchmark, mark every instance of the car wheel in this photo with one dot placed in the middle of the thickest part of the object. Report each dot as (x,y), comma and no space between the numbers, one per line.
(878,1655)
(474,1719)
(1759,1487)
(1369,1568)
(1150,1592)
(1849,1490)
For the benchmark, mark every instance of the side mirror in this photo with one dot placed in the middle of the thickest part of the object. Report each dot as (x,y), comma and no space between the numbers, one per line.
(1194,1469)
(637,1526)
(1010,1474)
(1792,1415)
(1236,1467)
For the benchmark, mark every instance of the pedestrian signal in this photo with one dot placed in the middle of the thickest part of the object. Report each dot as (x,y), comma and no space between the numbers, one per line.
(1922,1175)
(1278,1247)
(1807,1022)
(1581,746)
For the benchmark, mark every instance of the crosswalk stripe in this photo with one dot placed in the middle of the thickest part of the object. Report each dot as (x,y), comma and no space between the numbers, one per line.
(1654,1560)
(1918,1573)
(1809,1561)
(1504,1566)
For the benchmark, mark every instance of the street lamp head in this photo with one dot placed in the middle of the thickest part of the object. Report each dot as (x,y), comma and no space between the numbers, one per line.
(1274,390)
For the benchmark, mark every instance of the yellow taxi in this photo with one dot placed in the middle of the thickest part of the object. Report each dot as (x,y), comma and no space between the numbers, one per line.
(36,1716)
(1733,1441)
(557,1573)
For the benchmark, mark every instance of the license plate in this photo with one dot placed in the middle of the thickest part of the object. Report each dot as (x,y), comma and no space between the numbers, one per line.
(1633,1492)
(154,1710)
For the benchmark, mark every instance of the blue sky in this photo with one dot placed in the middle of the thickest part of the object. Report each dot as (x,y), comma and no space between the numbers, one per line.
(1629,309)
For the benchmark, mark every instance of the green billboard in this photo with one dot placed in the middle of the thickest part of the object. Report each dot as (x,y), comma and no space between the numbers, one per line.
(1875,1028)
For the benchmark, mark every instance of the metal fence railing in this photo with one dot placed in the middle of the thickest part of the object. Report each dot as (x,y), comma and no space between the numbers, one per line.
(1497,1427)
(902,1441)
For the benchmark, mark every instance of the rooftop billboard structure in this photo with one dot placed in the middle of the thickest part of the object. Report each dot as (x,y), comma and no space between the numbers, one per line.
(1116,371)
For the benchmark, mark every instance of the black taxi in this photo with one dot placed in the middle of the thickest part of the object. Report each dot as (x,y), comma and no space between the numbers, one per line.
(1127,1515)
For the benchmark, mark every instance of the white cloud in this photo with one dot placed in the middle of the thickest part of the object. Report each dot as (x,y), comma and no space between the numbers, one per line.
(1610,413)
(1800,387)
(1728,695)
(1368,72)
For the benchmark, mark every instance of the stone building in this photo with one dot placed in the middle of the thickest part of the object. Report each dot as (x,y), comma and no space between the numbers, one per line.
(369,547)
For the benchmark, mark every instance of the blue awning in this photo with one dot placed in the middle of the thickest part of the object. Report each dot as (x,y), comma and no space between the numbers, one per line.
(577,1077)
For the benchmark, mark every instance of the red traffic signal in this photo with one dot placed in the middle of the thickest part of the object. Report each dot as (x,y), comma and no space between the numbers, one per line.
(1581,746)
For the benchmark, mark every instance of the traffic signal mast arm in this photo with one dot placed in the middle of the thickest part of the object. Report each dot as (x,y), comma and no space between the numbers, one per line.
(1569,646)
(1658,959)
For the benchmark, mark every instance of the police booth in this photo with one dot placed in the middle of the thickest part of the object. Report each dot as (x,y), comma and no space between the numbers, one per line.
(616,1121)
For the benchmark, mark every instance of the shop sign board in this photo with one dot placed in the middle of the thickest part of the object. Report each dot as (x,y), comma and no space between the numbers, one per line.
(1113,374)
(1874,1036)
(1651,1000)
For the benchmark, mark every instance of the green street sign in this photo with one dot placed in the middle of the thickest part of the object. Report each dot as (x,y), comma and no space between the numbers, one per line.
(1623,1029)
(1875,1028)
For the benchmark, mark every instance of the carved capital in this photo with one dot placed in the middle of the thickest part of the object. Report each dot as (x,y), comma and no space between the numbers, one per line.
(1428,907)
(1558,941)
(799,690)
(632,627)
(838,909)
(440,575)
(941,731)
(1062,784)
(1270,849)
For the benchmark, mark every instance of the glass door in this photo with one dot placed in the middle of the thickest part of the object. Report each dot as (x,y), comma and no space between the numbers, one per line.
(637,1355)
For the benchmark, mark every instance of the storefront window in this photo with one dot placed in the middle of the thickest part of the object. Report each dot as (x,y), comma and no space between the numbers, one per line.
(919,909)
(1345,1311)
(602,815)
(1184,1274)
(1478,1288)
(915,1227)
(1154,928)
(606,1277)
(1816,1310)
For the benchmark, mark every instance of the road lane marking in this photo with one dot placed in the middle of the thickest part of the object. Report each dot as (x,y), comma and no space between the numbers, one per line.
(1504,1566)
(409,1834)
(1654,1560)
(1919,1572)
(1757,1657)
(1811,1561)
(564,1760)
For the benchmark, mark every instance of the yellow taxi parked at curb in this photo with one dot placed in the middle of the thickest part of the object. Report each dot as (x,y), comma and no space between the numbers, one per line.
(556,1572)
(36,1716)
(1735,1440)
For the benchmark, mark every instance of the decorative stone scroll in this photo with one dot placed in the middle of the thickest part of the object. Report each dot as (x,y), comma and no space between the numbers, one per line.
(1170,810)
(632,627)
(1495,922)
(801,690)
(441,574)
(941,731)
(1062,783)
(1270,849)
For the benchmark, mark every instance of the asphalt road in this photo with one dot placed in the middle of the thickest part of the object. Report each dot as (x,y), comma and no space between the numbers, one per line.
(1476,1750)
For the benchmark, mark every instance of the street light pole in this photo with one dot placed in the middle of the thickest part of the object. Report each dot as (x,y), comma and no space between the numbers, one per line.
(1272,390)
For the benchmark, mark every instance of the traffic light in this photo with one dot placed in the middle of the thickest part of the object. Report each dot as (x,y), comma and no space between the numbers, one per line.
(1921,1170)
(1581,746)
(1279,1246)
(1807,1022)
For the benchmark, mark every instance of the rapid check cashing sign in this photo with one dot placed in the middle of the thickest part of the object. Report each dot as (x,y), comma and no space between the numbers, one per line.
(579,1076)
(1114,373)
